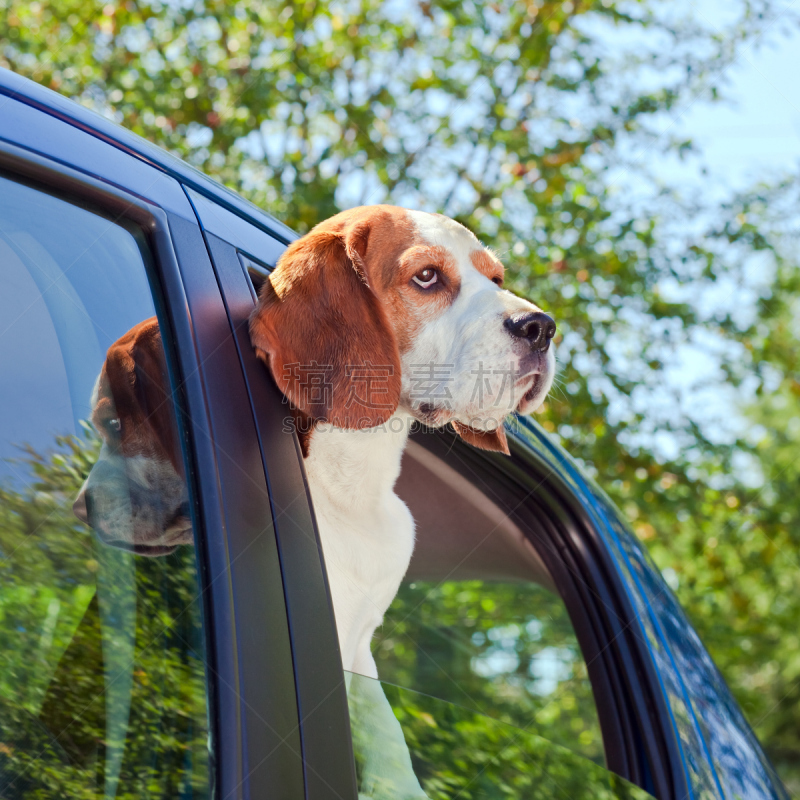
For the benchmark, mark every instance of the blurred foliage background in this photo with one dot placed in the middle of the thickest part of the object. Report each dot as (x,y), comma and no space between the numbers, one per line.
(459,752)
(102,680)
(536,125)
(504,649)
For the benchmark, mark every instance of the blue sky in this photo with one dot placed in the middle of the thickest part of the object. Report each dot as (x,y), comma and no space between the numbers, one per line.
(755,135)
(751,136)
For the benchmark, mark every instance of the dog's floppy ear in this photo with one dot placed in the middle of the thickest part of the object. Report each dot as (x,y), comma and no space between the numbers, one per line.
(322,331)
(485,440)
(152,389)
(135,382)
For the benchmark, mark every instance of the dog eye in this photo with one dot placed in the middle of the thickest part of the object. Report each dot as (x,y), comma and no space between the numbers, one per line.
(113,425)
(426,277)
(498,281)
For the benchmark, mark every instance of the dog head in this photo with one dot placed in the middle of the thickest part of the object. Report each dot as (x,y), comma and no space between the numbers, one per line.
(380,308)
(135,496)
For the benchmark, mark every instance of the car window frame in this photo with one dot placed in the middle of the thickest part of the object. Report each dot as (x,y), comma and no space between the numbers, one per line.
(321,690)
(251,732)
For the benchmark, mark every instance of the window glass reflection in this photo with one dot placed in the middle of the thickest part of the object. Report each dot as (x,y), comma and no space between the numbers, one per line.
(478,621)
(457,752)
(485,691)
(102,679)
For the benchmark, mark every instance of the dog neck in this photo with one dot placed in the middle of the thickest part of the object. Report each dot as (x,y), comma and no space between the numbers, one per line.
(357,468)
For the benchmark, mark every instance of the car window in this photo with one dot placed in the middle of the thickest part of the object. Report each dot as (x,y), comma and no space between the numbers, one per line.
(102,679)
(478,620)
(457,752)
(478,658)
(506,649)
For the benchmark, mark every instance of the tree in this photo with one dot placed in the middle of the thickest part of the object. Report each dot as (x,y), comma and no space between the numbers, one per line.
(517,119)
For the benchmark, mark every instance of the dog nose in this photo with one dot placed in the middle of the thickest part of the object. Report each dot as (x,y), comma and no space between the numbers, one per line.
(79,508)
(535,326)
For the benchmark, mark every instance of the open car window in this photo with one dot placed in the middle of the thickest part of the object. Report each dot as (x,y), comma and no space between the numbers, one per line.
(478,621)
(484,691)
(102,679)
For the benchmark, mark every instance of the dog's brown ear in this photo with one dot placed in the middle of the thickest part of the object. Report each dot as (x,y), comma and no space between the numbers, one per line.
(485,440)
(134,389)
(323,333)
(153,391)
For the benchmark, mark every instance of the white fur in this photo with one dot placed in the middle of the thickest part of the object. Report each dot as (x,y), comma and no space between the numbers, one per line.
(469,335)
(367,535)
(367,531)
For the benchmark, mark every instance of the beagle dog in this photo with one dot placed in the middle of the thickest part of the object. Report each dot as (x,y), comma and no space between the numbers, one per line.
(135,496)
(379,317)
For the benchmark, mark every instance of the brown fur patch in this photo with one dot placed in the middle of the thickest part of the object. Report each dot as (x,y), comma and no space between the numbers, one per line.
(484,440)
(321,327)
(487,263)
(134,389)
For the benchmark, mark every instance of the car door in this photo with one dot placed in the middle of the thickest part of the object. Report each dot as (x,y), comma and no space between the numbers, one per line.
(580,624)
(578,710)
(125,406)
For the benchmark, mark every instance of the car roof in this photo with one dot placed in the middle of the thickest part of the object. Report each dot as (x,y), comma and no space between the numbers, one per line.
(26,91)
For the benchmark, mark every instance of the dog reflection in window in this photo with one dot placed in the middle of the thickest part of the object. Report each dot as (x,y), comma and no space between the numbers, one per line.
(135,497)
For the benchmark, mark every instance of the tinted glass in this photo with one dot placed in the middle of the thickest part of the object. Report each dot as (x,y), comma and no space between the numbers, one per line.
(506,649)
(102,681)
(720,753)
(456,752)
